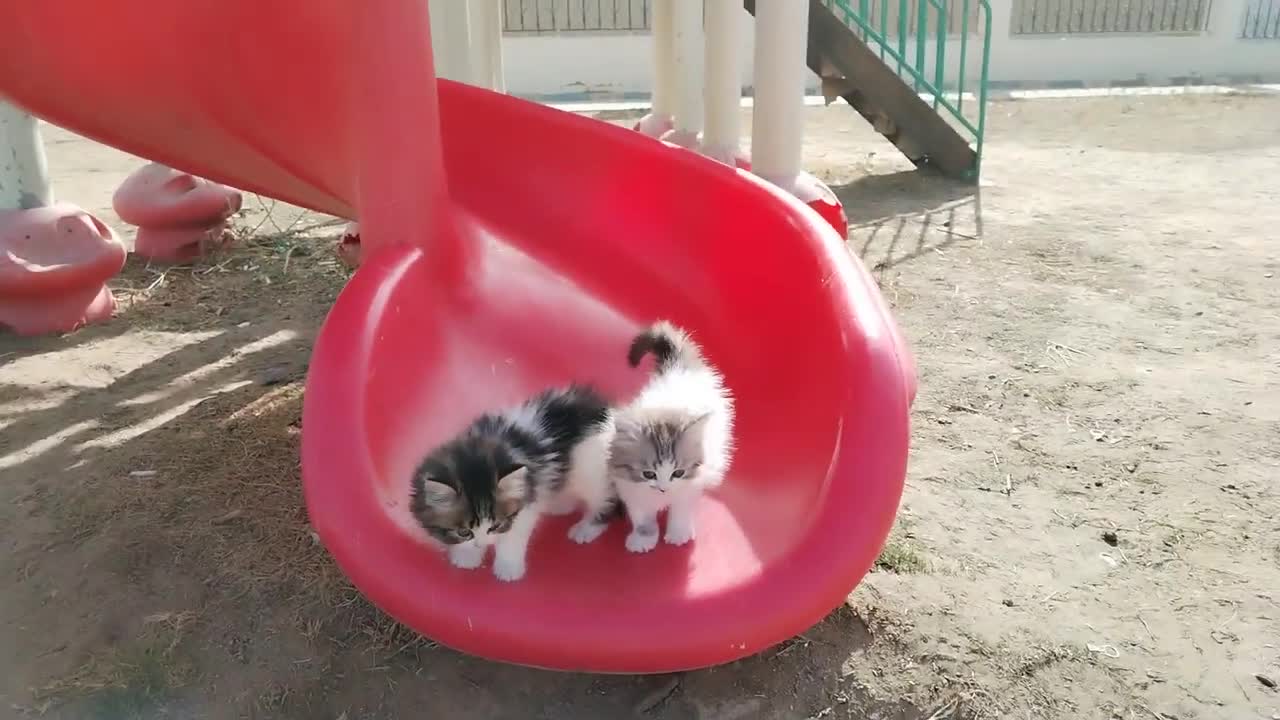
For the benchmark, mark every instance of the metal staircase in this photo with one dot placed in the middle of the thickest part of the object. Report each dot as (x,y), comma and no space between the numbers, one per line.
(897,64)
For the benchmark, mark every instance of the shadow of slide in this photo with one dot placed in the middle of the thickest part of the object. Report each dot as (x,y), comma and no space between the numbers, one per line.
(896,217)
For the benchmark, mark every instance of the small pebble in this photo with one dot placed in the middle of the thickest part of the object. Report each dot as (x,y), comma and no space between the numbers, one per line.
(1109,537)
(1266,681)
(274,375)
(1007,602)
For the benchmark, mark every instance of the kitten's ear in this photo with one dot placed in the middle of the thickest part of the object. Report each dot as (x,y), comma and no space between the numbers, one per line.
(512,483)
(436,492)
(691,435)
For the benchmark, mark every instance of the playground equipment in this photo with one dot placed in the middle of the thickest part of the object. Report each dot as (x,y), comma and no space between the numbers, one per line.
(179,216)
(697,76)
(349,244)
(686,42)
(497,263)
(889,61)
(466,41)
(55,258)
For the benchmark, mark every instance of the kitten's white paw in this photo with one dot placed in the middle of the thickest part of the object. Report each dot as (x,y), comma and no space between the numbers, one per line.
(467,557)
(561,505)
(508,569)
(679,533)
(585,531)
(640,543)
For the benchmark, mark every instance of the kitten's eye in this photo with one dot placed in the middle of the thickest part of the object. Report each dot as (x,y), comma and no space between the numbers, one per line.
(650,475)
(502,525)
(678,474)
(463,533)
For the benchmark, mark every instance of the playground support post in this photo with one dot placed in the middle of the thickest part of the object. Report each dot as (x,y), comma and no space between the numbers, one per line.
(485,19)
(777,130)
(687,58)
(663,105)
(723,89)
(24,171)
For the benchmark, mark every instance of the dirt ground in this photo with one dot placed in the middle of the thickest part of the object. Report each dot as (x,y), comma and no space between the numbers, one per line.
(1090,530)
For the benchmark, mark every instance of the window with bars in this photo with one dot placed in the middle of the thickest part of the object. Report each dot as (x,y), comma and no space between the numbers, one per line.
(1261,20)
(1067,17)
(533,17)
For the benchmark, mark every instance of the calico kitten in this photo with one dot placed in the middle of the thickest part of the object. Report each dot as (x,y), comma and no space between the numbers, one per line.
(489,485)
(673,441)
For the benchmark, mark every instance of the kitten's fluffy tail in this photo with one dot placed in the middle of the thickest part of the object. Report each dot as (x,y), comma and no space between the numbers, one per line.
(672,347)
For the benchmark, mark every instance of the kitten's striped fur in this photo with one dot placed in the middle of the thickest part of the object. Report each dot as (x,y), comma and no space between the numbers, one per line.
(489,484)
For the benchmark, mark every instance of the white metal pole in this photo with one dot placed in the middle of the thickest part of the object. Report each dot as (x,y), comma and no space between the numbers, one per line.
(485,17)
(777,128)
(723,90)
(688,53)
(496,68)
(451,39)
(662,104)
(664,68)
(24,172)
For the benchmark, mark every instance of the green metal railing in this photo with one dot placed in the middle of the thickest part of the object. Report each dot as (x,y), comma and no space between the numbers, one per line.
(895,29)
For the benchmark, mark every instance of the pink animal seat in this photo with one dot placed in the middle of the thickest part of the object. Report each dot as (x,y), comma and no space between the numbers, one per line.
(54,264)
(179,216)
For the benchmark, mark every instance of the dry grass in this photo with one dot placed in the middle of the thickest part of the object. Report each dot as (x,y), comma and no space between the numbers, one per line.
(218,490)
(902,557)
(222,482)
(223,488)
(125,680)
(227,494)
(271,247)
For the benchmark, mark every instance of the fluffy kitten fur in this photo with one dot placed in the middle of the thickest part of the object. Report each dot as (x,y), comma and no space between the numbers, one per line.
(489,485)
(673,441)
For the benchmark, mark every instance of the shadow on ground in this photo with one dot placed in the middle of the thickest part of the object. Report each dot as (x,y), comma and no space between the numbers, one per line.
(897,217)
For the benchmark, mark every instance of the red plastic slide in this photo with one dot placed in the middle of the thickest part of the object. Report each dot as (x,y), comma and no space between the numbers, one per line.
(522,251)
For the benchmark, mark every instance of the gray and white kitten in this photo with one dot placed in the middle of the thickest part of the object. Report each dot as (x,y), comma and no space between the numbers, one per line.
(674,441)
(490,484)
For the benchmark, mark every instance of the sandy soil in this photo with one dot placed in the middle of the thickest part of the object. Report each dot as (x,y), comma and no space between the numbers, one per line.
(1090,529)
